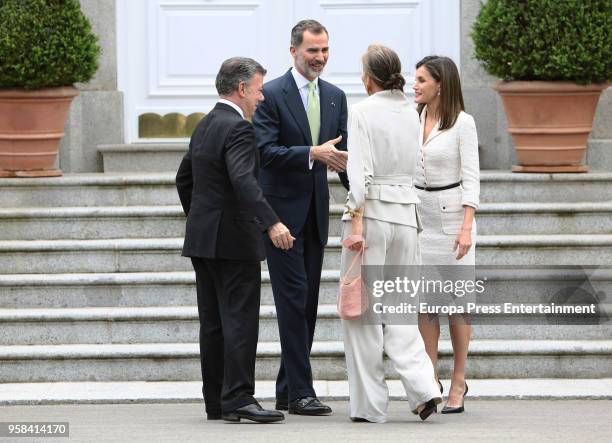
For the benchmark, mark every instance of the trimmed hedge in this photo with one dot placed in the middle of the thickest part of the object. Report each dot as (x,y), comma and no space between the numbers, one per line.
(564,40)
(45,43)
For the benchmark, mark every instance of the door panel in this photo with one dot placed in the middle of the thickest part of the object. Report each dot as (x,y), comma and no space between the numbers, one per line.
(170,50)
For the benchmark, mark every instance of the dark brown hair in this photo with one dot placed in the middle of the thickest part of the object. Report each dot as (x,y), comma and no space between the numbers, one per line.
(383,66)
(297,33)
(445,72)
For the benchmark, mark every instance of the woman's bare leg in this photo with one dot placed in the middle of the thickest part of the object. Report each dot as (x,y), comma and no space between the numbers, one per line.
(460,332)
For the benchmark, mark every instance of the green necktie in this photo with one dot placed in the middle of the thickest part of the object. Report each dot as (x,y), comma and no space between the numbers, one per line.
(313,112)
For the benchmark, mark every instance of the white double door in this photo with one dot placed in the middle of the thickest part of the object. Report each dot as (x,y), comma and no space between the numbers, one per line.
(170,50)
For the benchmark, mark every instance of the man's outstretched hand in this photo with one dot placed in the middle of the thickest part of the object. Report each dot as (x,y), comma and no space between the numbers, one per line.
(328,154)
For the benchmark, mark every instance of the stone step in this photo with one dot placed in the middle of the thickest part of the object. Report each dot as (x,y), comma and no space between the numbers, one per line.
(163,254)
(505,186)
(534,250)
(544,218)
(143,157)
(123,325)
(495,185)
(83,223)
(104,222)
(179,324)
(107,222)
(157,289)
(121,289)
(131,392)
(95,189)
(145,189)
(109,255)
(528,218)
(180,361)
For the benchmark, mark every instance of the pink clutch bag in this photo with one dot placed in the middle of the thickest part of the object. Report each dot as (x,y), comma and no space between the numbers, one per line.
(352,300)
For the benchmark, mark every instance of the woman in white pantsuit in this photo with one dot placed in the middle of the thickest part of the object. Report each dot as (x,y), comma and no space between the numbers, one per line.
(382,140)
(447,182)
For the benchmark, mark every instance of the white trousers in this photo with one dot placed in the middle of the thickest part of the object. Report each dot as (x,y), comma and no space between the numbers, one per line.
(365,345)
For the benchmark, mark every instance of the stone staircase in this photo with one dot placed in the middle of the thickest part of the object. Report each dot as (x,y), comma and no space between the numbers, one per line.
(93,287)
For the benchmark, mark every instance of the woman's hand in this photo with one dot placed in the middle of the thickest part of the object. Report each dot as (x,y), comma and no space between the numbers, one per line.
(357,229)
(463,243)
(355,240)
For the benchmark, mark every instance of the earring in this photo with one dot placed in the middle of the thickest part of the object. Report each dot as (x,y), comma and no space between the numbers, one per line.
(438,92)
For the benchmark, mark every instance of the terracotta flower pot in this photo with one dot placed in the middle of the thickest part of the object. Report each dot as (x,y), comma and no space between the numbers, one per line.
(550,123)
(31,127)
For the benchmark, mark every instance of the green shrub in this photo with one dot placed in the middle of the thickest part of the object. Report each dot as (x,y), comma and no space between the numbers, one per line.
(45,43)
(545,39)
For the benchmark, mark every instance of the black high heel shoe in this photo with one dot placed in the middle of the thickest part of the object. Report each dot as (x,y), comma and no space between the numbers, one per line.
(430,408)
(458,409)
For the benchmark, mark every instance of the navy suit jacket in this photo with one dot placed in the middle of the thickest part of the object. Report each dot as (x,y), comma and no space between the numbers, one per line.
(284,141)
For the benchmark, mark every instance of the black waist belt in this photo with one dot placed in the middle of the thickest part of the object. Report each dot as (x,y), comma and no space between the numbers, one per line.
(439,188)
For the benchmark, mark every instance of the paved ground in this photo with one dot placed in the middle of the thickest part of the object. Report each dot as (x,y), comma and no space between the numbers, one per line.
(503,420)
(191,391)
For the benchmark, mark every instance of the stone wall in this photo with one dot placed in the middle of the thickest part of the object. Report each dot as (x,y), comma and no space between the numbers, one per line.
(96,115)
(599,155)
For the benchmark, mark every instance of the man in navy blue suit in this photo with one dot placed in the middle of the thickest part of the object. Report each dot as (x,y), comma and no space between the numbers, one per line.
(301,133)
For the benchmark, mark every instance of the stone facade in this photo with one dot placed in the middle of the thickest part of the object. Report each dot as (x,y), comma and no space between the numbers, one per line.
(96,115)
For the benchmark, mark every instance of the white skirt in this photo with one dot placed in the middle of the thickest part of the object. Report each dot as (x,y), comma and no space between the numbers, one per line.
(441,215)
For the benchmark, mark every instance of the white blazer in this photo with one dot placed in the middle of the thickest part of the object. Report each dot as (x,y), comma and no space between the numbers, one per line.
(382,146)
(450,156)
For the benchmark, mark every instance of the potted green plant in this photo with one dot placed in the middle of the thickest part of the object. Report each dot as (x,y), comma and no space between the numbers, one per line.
(554,58)
(45,47)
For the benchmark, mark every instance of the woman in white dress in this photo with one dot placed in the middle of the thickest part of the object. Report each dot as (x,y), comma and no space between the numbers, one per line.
(448,184)
(381,210)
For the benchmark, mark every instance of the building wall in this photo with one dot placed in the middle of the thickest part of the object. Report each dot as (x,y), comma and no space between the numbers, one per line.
(96,116)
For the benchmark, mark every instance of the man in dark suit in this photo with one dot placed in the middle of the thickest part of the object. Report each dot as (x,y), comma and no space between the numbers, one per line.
(297,126)
(226,212)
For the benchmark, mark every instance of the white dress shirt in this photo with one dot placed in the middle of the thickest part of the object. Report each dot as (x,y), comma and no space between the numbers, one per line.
(233,105)
(450,156)
(302,85)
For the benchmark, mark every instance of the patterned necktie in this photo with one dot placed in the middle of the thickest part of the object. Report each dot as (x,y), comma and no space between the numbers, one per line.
(313,112)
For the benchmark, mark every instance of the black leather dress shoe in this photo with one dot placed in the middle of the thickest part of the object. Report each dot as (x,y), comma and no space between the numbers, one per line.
(213,416)
(253,412)
(309,406)
(281,405)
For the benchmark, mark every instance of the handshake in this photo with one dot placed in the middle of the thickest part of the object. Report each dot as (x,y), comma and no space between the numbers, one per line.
(328,154)
(336,161)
